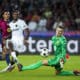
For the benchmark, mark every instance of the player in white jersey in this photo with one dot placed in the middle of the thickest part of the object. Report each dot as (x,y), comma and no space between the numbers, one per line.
(20,34)
(17,28)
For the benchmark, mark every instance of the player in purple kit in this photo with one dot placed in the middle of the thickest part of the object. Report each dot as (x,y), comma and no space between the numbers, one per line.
(6,33)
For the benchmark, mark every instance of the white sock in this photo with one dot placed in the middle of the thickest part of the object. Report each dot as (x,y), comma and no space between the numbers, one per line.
(13,54)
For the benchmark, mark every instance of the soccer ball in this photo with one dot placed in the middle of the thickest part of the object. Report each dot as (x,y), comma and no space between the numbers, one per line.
(44,52)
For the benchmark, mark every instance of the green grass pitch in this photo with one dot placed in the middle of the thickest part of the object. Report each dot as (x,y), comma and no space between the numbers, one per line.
(43,73)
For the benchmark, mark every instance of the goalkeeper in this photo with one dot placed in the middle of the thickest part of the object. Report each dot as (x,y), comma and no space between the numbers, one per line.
(59,43)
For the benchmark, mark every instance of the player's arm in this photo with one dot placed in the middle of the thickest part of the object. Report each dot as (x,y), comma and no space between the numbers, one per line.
(64,43)
(53,38)
(26,33)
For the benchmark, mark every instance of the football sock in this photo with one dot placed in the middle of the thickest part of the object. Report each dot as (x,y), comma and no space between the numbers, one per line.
(13,54)
(7,59)
(66,73)
(33,66)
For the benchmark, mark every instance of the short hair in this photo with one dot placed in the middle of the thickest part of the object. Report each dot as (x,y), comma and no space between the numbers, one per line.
(5,10)
(15,11)
(2,12)
(62,27)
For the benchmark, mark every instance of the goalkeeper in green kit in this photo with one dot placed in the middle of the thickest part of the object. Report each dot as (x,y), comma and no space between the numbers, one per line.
(59,43)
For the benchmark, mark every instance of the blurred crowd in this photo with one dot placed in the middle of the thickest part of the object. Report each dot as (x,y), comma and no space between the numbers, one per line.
(46,15)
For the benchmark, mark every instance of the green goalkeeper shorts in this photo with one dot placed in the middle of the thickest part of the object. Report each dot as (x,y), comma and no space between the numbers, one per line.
(55,62)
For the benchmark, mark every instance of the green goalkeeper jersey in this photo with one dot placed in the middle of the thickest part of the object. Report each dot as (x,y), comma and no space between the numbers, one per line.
(59,44)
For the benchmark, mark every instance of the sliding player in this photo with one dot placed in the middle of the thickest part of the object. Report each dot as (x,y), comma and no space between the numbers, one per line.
(59,44)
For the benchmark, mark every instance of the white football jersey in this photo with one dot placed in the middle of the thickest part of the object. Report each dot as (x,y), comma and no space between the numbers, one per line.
(17,28)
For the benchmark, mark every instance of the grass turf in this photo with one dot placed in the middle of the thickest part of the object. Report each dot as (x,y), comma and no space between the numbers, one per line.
(43,73)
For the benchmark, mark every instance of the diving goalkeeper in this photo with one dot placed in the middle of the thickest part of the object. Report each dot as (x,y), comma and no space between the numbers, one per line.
(59,43)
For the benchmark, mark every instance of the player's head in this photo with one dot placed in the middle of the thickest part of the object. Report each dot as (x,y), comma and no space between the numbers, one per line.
(59,31)
(5,14)
(15,14)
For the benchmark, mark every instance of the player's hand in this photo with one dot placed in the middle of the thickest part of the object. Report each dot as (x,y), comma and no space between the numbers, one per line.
(25,42)
(8,30)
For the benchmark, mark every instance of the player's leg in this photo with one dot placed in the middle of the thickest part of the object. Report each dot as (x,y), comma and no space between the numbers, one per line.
(14,45)
(32,66)
(5,52)
(59,71)
(35,65)
(68,73)
(6,55)
(77,72)
(13,52)
(20,45)
(58,63)
(56,60)
(49,62)
(10,66)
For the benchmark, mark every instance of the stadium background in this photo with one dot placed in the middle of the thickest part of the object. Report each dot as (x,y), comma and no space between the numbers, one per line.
(42,17)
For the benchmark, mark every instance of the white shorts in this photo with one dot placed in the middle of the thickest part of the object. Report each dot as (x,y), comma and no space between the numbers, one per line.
(18,44)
